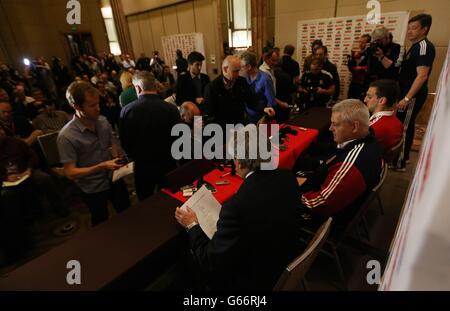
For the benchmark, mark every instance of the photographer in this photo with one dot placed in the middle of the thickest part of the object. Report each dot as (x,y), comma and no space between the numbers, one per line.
(316,86)
(358,65)
(383,56)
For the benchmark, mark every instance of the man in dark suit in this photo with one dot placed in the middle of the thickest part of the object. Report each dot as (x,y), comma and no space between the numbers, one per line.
(145,134)
(228,96)
(191,86)
(257,230)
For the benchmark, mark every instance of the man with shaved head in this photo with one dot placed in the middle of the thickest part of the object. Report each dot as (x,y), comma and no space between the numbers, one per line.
(227,96)
(189,110)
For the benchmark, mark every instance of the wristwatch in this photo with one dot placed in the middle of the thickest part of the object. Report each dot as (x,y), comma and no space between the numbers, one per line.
(407,99)
(190,226)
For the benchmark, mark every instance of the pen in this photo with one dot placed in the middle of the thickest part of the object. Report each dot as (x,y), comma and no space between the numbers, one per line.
(225,175)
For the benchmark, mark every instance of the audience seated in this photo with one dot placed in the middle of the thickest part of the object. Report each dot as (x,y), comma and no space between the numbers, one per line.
(168,82)
(381,99)
(50,120)
(109,105)
(17,125)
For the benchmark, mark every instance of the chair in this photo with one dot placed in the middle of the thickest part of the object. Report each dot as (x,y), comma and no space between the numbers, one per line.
(336,238)
(394,153)
(49,148)
(295,272)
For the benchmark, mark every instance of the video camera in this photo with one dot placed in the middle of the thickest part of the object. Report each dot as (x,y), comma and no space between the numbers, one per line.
(312,89)
(373,48)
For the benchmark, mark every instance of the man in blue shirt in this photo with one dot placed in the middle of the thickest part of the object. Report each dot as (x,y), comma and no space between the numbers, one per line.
(260,82)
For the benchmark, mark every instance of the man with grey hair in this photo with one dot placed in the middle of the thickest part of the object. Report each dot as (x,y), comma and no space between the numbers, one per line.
(228,96)
(352,172)
(145,134)
(257,231)
(383,55)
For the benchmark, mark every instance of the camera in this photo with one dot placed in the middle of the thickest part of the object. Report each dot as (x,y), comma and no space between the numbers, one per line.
(312,89)
(373,47)
(122,160)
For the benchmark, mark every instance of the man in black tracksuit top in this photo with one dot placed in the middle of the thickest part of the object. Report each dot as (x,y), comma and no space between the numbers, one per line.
(414,74)
(355,169)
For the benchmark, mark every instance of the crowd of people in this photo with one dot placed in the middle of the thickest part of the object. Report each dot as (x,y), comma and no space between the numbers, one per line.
(110,110)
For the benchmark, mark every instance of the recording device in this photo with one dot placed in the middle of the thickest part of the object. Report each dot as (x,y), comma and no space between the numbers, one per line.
(312,89)
(201,182)
(123,160)
(373,48)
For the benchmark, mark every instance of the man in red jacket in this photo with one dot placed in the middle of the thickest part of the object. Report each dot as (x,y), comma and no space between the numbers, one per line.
(380,99)
(342,182)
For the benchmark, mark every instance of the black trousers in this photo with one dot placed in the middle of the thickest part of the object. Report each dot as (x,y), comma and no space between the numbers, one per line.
(147,179)
(408,117)
(98,202)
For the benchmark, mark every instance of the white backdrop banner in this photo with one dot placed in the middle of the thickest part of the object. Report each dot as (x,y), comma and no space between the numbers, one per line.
(187,43)
(420,254)
(341,36)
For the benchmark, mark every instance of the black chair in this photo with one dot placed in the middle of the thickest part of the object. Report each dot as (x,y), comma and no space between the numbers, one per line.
(394,153)
(295,272)
(49,148)
(336,237)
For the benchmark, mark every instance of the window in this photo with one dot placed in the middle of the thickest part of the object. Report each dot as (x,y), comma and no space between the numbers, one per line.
(239,23)
(108,18)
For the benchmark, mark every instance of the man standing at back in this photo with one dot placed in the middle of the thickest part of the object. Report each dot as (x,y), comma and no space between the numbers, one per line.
(414,74)
(229,95)
(145,134)
(191,86)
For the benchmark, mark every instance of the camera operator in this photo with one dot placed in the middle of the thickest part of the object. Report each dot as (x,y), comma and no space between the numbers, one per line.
(358,65)
(316,86)
(383,56)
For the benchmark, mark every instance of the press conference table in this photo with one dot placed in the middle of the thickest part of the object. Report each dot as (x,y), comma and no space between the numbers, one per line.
(123,253)
(132,248)
(296,145)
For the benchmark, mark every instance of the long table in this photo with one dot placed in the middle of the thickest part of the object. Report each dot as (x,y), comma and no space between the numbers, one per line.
(296,145)
(125,252)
